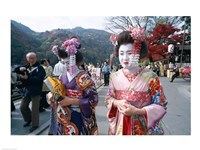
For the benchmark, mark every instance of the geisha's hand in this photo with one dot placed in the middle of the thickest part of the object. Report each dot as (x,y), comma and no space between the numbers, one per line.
(68,101)
(120,104)
(130,110)
(50,96)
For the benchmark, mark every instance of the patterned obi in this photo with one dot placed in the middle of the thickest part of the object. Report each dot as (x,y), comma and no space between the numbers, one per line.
(133,96)
(74,93)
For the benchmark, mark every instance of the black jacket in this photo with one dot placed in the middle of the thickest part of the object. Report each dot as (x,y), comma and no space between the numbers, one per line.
(33,85)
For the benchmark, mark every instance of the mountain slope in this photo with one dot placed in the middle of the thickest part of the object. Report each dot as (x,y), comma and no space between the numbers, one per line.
(22,41)
(96,46)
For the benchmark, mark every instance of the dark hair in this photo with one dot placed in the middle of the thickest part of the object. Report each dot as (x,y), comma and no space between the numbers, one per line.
(42,61)
(79,57)
(125,38)
(48,61)
(61,53)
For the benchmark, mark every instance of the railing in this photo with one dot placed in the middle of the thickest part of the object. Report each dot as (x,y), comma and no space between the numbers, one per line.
(15,94)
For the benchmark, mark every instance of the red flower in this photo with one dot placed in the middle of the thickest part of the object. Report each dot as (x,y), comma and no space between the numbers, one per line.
(154,86)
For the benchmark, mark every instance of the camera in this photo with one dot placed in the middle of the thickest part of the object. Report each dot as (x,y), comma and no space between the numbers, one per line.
(23,72)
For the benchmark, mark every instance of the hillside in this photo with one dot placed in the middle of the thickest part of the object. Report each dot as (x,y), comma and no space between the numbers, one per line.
(96,46)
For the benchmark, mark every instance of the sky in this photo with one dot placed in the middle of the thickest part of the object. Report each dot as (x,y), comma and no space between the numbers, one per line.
(41,24)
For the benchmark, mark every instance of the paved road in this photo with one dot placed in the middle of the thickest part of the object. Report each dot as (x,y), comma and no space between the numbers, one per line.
(17,122)
(178,118)
(177,121)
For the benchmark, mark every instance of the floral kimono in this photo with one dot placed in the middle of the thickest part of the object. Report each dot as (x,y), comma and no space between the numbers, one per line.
(74,119)
(144,91)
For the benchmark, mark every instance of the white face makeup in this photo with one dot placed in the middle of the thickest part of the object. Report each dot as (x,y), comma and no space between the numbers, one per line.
(66,62)
(127,58)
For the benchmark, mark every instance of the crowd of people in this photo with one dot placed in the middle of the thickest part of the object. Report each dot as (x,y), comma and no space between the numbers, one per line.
(165,69)
(135,98)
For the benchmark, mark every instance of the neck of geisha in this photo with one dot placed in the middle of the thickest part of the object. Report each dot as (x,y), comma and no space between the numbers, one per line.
(132,70)
(71,76)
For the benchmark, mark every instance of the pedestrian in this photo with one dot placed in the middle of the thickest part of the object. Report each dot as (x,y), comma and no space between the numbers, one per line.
(59,68)
(176,73)
(43,101)
(75,113)
(165,69)
(32,76)
(50,68)
(106,72)
(149,65)
(87,70)
(135,99)
(98,65)
(156,68)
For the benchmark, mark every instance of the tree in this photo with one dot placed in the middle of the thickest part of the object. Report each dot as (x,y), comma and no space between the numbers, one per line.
(159,39)
(117,23)
(160,31)
(187,21)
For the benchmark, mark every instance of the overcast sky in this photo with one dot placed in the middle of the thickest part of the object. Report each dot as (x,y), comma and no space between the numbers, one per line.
(41,24)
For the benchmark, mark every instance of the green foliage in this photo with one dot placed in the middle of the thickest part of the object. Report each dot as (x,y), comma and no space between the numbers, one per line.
(95,44)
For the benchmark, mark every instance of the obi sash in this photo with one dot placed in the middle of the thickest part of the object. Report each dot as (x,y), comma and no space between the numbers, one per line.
(131,96)
(74,93)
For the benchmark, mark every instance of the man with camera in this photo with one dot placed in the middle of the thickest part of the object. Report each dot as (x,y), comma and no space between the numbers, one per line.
(31,76)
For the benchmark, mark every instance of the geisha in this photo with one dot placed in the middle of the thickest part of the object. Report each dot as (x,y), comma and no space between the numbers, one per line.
(135,99)
(75,113)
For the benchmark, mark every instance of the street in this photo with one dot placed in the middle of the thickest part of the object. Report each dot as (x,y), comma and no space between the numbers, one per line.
(177,121)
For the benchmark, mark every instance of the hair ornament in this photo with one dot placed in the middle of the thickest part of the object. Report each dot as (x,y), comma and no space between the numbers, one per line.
(113,39)
(71,48)
(55,49)
(138,35)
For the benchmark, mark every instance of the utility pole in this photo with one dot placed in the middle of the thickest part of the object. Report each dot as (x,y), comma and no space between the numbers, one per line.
(183,42)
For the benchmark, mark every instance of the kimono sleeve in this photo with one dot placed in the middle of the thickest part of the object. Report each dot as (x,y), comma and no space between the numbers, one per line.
(90,95)
(110,97)
(157,109)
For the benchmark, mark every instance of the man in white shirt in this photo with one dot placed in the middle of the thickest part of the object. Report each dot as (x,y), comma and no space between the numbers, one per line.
(59,68)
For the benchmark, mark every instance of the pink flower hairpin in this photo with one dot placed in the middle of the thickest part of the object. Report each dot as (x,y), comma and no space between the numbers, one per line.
(137,34)
(113,39)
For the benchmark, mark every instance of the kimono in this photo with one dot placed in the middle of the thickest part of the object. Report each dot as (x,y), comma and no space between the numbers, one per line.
(76,119)
(145,91)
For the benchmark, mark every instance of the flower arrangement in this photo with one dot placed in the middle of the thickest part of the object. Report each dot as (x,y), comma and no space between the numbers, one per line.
(55,49)
(113,39)
(138,34)
(71,48)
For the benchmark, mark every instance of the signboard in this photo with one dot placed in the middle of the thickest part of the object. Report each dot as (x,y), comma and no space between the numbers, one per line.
(96,75)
